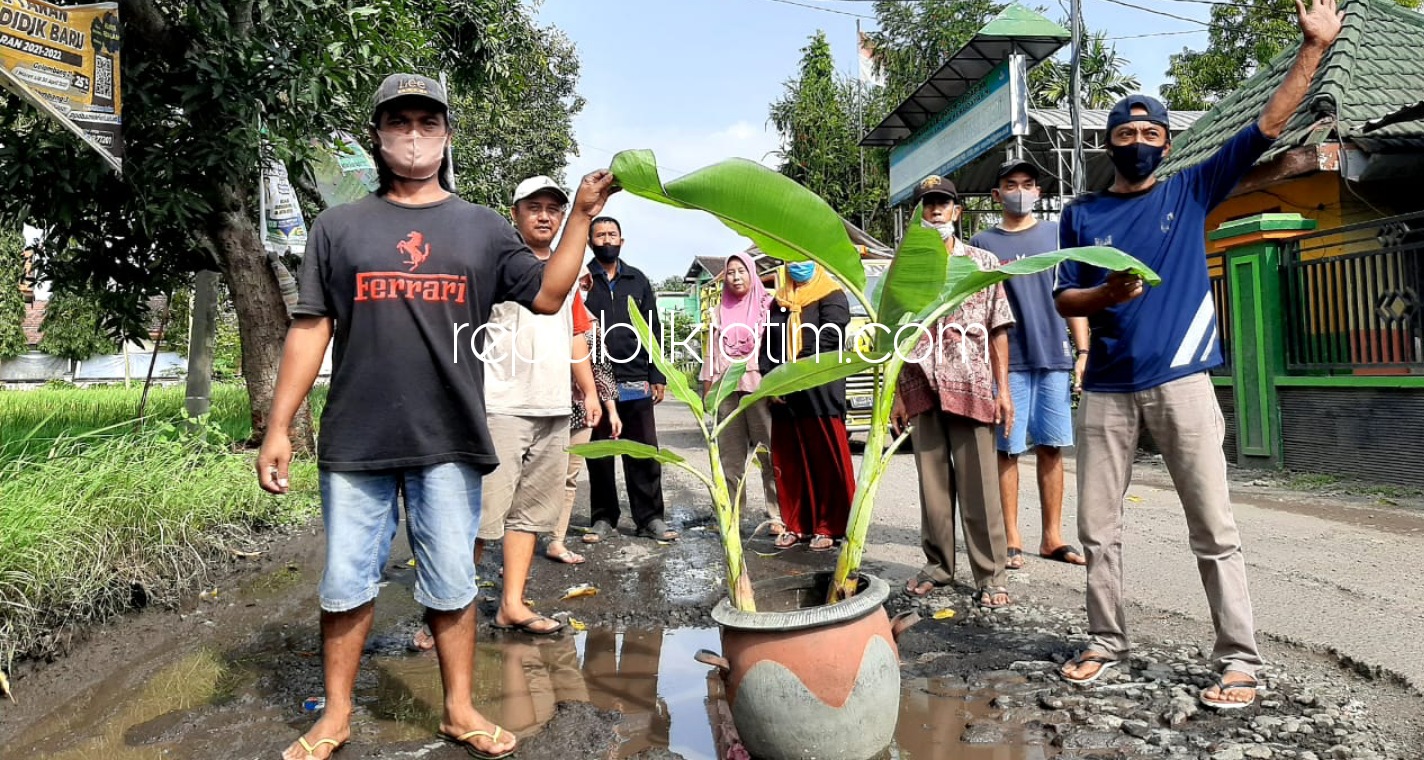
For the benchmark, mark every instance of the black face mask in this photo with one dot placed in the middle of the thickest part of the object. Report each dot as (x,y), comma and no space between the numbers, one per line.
(606,254)
(1137,161)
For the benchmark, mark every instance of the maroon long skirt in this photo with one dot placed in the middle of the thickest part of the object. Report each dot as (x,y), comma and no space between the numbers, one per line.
(815,479)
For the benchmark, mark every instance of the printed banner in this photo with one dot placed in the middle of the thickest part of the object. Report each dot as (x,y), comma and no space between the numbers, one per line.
(285,231)
(344,172)
(64,60)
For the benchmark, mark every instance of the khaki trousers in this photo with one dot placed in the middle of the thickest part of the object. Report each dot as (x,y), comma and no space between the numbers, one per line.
(561,528)
(958,466)
(746,433)
(1186,424)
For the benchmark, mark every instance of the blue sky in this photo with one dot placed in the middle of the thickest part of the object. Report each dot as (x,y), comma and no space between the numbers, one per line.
(692,80)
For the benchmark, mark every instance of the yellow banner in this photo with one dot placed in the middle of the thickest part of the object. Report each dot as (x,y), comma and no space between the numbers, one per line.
(65,61)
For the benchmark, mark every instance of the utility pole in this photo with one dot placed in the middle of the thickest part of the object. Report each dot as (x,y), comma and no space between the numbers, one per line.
(1075,103)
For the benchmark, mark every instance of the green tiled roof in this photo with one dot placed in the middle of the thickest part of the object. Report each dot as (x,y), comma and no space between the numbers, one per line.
(1375,68)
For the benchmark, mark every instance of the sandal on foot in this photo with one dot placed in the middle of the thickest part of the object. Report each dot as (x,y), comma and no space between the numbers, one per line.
(598,532)
(1222,686)
(984,597)
(463,740)
(777,529)
(1016,560)
(917,585)
(786,540)
(566,556)
(527,626)
(820,543)
(1062,553)
(658,530)
(311,748)
(1087,658)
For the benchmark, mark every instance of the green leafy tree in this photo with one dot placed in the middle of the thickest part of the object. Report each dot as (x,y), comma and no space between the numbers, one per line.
(522,129)
(1243,38)
(201,78)
(671,284)
(12,303)
(819,120)
(1104,76)
(73,326)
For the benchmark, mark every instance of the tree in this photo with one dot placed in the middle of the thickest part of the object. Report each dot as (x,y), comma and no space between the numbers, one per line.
(12,303)
(521,130)
(72,326)
(204,82)
(671,284)
(819,123)
(1104,80)
(1243,38)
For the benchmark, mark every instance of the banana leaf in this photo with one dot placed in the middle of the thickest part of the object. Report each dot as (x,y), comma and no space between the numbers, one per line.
(810,372)
(600,449)
(676,380)
(784,219)
(729,382)
(915,276)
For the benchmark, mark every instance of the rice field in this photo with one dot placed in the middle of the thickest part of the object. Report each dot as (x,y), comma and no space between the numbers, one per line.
(98,515)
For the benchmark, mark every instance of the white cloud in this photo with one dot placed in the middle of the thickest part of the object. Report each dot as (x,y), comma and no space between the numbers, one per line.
(662,240)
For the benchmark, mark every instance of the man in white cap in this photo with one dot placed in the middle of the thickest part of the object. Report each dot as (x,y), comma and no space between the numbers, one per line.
(528,357)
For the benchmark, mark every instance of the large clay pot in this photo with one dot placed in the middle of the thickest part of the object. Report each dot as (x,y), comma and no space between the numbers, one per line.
(810,681)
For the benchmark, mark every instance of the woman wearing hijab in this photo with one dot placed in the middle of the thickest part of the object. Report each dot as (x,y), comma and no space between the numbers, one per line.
(735,332)
(809,449)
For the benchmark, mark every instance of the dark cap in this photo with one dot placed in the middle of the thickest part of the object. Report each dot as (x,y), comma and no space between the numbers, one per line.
(935,185)
(409,86)
(1122,112)
(1019,165)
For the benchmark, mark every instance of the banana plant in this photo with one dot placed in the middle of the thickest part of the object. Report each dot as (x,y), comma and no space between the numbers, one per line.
(791,223)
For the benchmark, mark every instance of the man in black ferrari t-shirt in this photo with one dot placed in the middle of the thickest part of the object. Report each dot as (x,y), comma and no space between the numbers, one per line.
(404,280)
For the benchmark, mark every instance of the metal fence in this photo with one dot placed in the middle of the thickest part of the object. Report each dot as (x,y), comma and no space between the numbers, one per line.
(1352,299)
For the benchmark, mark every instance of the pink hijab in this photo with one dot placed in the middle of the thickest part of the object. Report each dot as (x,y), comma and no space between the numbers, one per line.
(741,318)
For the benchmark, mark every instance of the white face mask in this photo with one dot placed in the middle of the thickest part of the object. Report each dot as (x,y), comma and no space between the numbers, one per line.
(1020,202)
(946,230)
(413,157)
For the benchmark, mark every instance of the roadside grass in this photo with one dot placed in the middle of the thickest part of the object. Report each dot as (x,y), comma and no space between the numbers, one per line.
(53,412)
(98,516)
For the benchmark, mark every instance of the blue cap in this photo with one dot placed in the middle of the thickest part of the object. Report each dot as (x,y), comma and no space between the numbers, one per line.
(1122,112)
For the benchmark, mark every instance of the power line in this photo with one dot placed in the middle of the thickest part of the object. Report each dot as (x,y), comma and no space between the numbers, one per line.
(1154,11)
(822,9)
(1155,34)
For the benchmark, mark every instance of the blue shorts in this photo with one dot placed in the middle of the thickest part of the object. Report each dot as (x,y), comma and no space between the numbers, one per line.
(1043,411)
(361,511)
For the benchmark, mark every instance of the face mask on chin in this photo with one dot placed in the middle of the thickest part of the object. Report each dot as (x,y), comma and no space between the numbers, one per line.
(1020,202)
(946,230)
(606,254)
(413,157)
(1137,162)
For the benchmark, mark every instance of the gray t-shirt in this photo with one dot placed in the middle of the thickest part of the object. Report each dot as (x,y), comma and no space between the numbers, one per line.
(1039,339)
(407,287)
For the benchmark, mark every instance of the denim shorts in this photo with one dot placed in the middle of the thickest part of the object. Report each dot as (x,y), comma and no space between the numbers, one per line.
(361,511)
(1043,411)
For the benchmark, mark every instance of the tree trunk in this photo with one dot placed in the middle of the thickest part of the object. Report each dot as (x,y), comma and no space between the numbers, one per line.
(261,314)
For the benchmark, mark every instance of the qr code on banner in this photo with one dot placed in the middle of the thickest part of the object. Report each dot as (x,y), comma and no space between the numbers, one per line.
(103,77)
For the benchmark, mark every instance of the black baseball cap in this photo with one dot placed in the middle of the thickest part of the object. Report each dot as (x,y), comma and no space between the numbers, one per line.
(935,185)
(1122,112)
(409,86)
(1019,165)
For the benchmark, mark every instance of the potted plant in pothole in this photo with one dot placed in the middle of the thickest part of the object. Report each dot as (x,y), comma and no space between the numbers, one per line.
(810,662)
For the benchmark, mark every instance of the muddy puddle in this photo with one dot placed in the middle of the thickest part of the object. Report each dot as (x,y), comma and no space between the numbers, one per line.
(210,704)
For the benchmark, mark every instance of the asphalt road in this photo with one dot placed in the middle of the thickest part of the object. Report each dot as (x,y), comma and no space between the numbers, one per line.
(1330,575)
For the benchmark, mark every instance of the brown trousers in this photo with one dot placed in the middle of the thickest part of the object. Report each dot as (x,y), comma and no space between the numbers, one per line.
(958,466)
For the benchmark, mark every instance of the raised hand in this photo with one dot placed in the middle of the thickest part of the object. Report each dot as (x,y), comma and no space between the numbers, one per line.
(1321,22)
(593,192)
